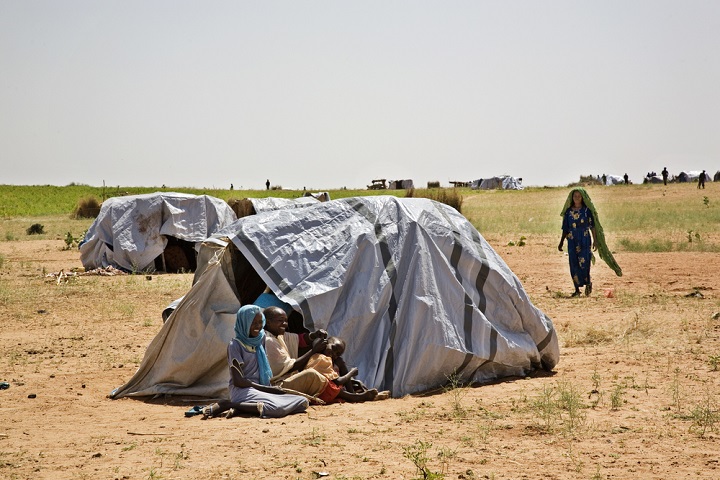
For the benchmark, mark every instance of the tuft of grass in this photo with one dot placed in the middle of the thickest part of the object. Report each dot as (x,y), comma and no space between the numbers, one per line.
(87,207)
(35,229)
(448,196)
(417,453)
(457,391)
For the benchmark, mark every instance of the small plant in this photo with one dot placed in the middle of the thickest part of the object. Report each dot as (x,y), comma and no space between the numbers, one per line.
(714,360)
(457,391)
(569,401)
(546,408)
(692,234)
(519,243)
(69,241)
(616,397)
(35,229)
(417,454)
(704,417)
(675,390)
(706,202)
(446,455)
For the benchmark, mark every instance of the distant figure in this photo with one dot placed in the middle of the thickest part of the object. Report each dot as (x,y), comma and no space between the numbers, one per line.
(701,180)
(267,184)
(604,179)
(231,187)
(627,181)
(665,175)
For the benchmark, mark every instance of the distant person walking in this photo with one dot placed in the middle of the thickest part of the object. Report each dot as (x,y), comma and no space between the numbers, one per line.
(665,175)
(604,179)
(267,184)
(581,227)
(627,180)
(701,180)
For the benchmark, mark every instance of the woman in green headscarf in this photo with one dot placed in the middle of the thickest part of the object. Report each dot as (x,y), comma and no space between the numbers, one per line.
(581,226)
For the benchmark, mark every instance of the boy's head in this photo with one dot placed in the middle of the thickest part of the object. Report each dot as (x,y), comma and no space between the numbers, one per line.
(335,347)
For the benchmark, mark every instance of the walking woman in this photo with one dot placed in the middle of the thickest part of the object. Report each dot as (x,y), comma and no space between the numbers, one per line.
(581,226)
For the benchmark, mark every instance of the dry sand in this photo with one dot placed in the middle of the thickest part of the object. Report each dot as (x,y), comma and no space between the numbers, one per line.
(638,364)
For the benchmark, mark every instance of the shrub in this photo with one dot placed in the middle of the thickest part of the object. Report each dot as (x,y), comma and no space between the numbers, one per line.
(35,229)
(448,196)
(87,207)
(433,184)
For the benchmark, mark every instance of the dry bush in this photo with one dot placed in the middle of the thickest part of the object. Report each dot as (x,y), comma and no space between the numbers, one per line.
(448,196)
(35,229)
(87,207)
(586,180)
(242,207)
(433,184)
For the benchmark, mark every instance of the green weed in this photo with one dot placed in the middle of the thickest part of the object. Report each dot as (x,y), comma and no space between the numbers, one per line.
(417,453)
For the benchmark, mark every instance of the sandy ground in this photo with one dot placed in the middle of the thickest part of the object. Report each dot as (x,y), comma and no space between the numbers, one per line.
(635,394)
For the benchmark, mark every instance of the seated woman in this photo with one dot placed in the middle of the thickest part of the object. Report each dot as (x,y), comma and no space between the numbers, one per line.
(250,390)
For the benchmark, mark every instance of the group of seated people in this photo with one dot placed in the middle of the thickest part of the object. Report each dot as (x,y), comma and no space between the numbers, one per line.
(274,373)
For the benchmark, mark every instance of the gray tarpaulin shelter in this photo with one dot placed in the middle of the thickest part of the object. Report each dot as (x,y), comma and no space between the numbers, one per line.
(503,182)
(131,232)
(411,285)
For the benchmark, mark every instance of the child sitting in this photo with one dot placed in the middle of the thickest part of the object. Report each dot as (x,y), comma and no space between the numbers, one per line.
(325,363)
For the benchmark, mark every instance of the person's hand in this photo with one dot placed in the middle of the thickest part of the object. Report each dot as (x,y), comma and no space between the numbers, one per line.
(318,334)
(319,345)
(560,246)
(275,390)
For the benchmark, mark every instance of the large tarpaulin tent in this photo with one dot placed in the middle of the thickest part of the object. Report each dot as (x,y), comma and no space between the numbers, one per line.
(412,286)
(131,232)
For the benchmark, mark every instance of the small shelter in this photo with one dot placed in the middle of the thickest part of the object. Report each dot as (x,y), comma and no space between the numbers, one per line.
(154,231)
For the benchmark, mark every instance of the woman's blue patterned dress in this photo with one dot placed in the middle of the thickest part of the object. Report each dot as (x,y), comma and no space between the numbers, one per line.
(577,225)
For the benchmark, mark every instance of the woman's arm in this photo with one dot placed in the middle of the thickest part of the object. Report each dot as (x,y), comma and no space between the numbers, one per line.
(239,380)
(562,240)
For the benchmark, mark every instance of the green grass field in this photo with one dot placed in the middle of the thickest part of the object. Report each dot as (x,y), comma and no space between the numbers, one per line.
(638,218)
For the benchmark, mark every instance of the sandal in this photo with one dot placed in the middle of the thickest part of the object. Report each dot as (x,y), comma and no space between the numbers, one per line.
(588,289)
(576,293)
(196,410)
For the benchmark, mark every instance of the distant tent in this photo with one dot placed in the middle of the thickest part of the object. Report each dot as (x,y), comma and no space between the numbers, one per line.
(503,182)
(412,286)
(155,231)
(692,176)
(716,178)
(653,179)
(614,180)
(401,184)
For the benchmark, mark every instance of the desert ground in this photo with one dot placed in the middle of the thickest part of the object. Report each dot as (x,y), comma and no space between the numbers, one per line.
(635,394)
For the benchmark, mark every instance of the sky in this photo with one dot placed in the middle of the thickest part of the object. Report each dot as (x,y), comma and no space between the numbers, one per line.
(332,94)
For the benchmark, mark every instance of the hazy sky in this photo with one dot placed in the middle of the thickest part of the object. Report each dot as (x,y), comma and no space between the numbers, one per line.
(328,94)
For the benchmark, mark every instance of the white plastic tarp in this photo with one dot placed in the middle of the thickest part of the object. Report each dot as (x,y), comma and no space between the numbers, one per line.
(130,232)
(504,182)
(275,203)
(414,289)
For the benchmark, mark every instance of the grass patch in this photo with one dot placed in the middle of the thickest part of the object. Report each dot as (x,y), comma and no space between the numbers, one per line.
(448,196)
(656,245)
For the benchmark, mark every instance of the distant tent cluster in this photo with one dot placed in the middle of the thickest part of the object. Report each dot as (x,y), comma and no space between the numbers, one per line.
(690,176)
